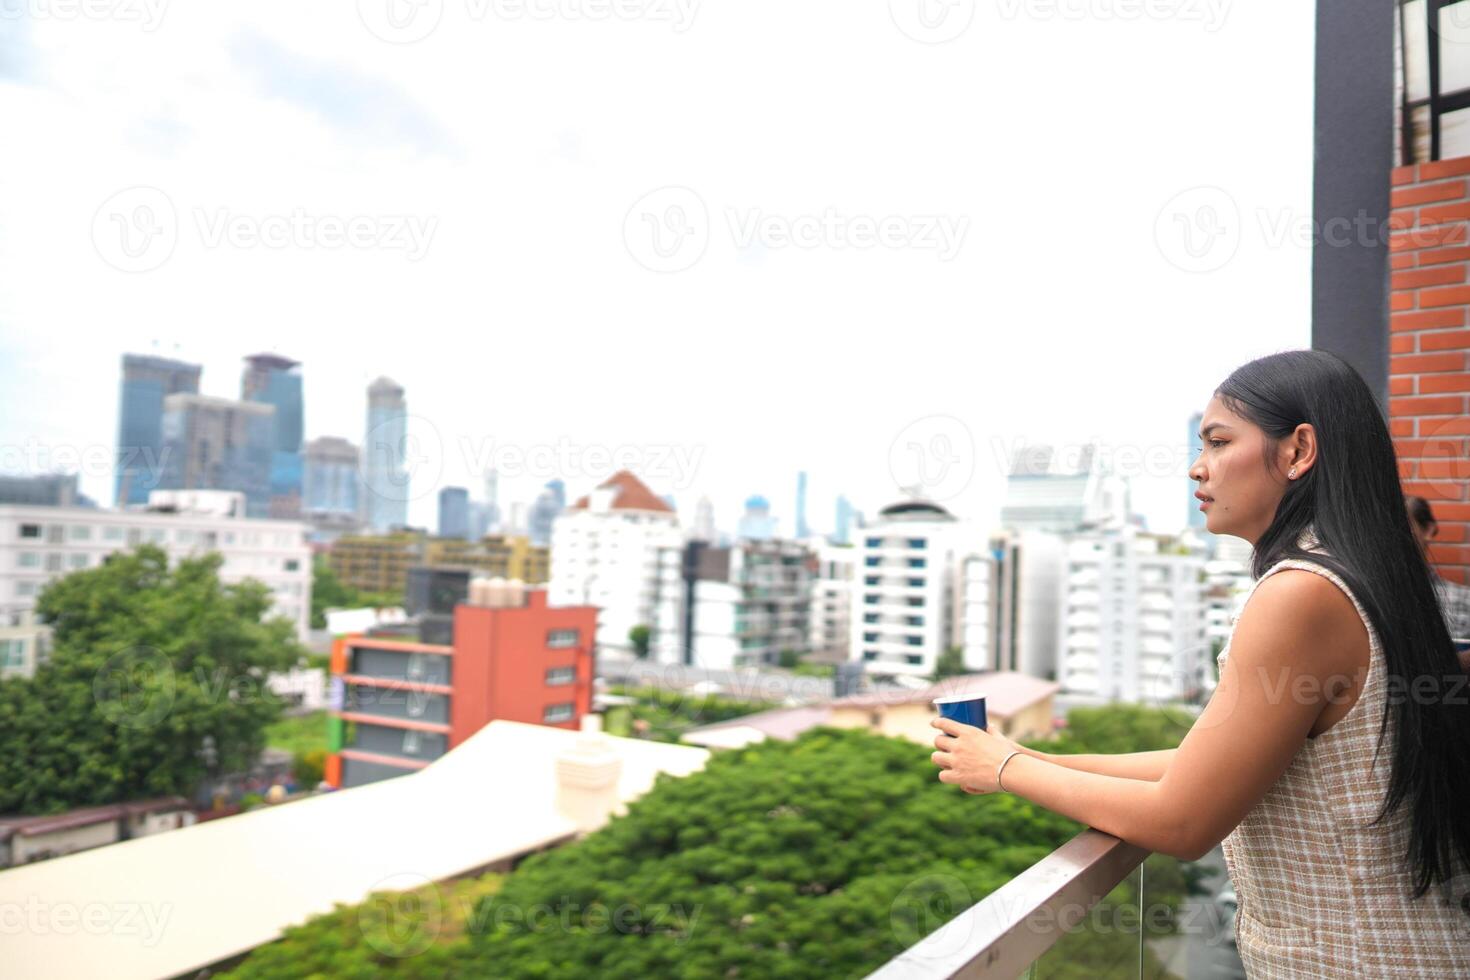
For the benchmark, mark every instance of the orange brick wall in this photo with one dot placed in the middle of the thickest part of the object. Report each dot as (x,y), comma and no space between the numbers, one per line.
(1429,348)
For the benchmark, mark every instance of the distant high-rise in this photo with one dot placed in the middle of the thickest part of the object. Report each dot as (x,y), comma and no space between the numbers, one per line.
(802,531)
(757,524)
(549,502)
(1048,491)
(454,512)
(331,472)
(1196,517)
(146,382)
(842,534)
(704,521)
(219,444)
(385,481)
(492,516)
(275,380)
(46,490)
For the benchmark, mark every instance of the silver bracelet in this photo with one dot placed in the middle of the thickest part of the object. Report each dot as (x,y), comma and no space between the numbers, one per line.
(1002,768)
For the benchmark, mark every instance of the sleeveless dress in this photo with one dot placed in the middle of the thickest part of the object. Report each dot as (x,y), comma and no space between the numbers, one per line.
(1321,894)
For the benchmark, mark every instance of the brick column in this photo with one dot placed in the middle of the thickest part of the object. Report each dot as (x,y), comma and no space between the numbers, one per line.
(1429,340)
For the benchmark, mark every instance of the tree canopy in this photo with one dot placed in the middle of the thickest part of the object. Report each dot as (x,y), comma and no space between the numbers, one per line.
(822,857)
(157,677)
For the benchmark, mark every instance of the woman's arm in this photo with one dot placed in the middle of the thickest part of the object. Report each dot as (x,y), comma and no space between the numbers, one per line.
(1130,765)
(1290,644)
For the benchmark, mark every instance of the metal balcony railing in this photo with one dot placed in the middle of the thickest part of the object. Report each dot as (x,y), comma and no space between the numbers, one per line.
(1011,928)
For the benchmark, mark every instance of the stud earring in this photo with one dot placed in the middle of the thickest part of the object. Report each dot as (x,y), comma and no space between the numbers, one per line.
(1291,473)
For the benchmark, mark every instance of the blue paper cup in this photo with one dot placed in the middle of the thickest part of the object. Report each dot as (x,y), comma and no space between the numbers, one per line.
(964,709)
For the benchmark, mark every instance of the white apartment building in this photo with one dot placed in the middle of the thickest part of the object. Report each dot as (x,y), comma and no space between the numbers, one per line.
(831,617)
(605,553)
(1011,603)
(979,611)
(40,544)
(740,606)
(903,606)
(1133,622)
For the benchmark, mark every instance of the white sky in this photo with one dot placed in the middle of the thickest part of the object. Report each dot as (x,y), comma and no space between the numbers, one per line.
(1052,137)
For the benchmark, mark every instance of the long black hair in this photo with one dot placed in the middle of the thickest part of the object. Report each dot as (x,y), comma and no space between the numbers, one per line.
(1352,500)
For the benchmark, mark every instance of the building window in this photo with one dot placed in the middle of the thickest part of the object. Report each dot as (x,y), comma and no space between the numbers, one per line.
(558,712)
(30,530)
(917,563)
(561,639)
(53,562)
(25,588)
(112,534)
(557,676)
(293,564)
(875,542)
(81,532)
(183,536)
(870,637)
(870,579)
(55,534)
(915,658)
(12,654)
(916,583)
(158,535)
(872,561)
(77,561)
(870,654)
(28,559)
(871,600)
(917,600)
(918,543)
(914,641)
(870,617)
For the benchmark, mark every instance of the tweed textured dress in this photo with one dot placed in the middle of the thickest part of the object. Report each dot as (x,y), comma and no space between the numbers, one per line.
(1320,893)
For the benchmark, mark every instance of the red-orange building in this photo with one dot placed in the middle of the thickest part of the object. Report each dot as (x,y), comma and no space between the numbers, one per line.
(398,704)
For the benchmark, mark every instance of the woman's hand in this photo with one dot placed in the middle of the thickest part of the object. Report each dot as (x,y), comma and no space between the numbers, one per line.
(968,756)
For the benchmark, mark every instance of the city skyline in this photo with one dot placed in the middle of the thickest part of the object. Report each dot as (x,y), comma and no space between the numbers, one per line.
(1086,327)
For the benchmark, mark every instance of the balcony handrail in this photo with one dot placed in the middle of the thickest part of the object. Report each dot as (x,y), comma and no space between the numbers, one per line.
(1013,926)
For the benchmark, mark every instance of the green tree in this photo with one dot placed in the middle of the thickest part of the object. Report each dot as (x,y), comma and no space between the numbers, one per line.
(639,636)
(788,659)
(951,663)
(157,678)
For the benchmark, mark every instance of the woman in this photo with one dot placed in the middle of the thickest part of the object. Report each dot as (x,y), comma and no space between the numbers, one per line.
(1333,760)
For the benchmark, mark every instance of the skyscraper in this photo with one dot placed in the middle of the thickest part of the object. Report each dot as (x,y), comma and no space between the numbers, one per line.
(492,517)
(146,382)
(219,444)
(385,481)
(802,531)
(275,380)
(842,534)
(454,512)
(331,471)
(704,521)
(550,502)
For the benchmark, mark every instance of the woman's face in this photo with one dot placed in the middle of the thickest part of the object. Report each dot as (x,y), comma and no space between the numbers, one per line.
(1232,470)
